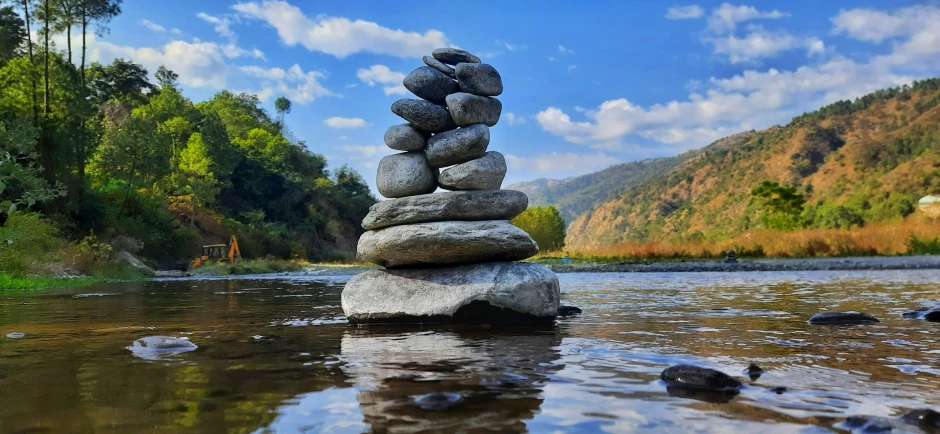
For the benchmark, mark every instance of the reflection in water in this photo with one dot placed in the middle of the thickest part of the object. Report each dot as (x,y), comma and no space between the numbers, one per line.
(275,355)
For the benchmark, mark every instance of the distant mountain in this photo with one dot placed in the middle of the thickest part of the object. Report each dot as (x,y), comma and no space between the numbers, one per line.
(574,196)
(855,162)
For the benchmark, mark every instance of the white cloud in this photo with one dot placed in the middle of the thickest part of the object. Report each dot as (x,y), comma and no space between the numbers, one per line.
(563,50)
(551,59)
(351,85)
(339,36)
(726,17)
(176,31)
(685,12)
(513,119)
(876,26)
(222,26)
(151,25)
(557,165)
(759,44)
(381,74)
(572,68)
(340,122)
(366,156)
(512,47)
(302,87)
(199,64)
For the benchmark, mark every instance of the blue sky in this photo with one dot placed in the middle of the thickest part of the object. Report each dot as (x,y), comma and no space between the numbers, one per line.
(587,84)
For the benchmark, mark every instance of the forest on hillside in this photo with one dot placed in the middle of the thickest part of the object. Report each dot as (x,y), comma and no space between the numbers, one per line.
(109,151)
(846,166)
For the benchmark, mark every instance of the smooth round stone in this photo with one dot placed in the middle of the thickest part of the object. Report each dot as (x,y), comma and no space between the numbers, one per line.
(842,318)
(484,173)
(455,242)
(458,146)
(16,335)
(453,56)
(430,84)
(405,174)
(468,109)
(694,377)
(158,347)
(479,79)
(440,66)
(405,137)
(485,292)
(447,206)
(424,115)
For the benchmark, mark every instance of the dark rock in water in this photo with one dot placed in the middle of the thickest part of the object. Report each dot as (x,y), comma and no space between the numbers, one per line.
(158,347)
(754,372)
(694,377)
(438,401)
(842,318)
(876,424)
(564,311)
(919,313)
(779,390)
(926,418)
(933,316)
(702,395)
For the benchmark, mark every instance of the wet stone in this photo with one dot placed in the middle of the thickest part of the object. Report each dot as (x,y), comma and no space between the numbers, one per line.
(754,372)
(565,311)
(453,56)
(405,174)
(479,79)
(424,115)
(159,347)
(16,335)
(458,146)
(933,316)
(484,173)
(779,390)
(694,377)
(405,137)
(447,206)
(924,418)
(430,84)
(842,318)
(468,109)
(438,401)
(440,66)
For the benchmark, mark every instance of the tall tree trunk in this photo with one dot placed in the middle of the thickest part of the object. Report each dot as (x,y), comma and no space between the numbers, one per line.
(48,31)
(29,43)
(68,35)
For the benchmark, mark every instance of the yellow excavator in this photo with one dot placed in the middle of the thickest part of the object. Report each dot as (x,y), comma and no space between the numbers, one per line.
(217,252)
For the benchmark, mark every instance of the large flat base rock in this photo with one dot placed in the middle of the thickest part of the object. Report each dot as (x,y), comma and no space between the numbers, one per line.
(477,293)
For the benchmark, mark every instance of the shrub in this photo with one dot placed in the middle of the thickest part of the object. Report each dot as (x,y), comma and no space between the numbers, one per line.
(26,239)
(545,225)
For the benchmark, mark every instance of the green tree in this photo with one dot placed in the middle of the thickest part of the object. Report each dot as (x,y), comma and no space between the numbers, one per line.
(21,186)
(195,175)
(12,34)
(122,80)
(166,78)
(283,106)
(781,206)
(545,225)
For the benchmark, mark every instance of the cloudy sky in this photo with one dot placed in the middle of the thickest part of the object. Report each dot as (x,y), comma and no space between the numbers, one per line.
(588,84)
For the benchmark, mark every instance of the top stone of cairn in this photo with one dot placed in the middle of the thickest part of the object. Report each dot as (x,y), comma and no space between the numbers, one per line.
(453,56)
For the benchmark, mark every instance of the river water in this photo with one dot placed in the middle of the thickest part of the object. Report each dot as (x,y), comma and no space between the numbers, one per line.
(276,355)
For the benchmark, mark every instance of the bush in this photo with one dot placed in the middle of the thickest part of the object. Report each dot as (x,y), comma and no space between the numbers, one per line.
(924,246)
(545,225)
(25,240)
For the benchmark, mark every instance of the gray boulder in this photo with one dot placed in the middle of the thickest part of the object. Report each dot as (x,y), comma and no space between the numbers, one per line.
(458,146)
(160,347)
(487,292)
(430,84)
(440,66)
(842,318)
(468,109)
(405,137)
(447,206)
(484,173)
(479,79)
(446,243)
(424,115)
(405,174)
(453,56)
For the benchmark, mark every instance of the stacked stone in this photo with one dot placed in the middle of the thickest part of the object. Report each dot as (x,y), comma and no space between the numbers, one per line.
(448,256)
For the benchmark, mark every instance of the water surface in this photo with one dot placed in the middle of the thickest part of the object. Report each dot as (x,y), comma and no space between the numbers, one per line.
(276,355)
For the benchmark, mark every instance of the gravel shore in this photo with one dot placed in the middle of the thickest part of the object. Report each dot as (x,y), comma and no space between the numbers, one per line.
(810,264)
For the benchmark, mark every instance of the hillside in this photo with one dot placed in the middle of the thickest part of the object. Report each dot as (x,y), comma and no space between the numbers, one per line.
(574,196)
(854,162)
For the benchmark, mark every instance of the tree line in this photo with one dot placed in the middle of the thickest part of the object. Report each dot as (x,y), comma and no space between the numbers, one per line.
(106,149)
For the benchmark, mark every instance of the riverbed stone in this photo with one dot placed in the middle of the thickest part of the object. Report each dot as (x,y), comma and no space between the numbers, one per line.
(424,115)
(159,347)
(406,137)
(450,242)
(458,146)
(932,315)
(484,173)
(467,109)
(453,56)
(485,292)
(925,418)
(447,206)
(698,378)
(440,66)
(430,84)
(842,318)
(405,174)
(479,79)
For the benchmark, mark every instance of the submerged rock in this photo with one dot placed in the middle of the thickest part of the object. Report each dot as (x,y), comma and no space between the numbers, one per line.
(447,206)
(564,311)
(933,316)
(16,335)
(925,418)
(842,318)
(158,347)
(476,293)
(877,424)
(754,372)
(694,377)
(708,396)
(438,401)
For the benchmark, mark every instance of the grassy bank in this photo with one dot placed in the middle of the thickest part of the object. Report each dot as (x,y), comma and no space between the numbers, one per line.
(250,266)
(913,236)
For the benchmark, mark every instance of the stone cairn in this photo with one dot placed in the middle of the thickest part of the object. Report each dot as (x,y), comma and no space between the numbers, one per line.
(448,256)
